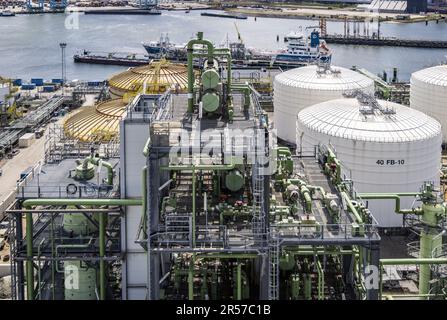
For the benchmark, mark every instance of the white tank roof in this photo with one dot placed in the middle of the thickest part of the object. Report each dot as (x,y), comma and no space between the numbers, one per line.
(342,118)
(337,78)
(434,75)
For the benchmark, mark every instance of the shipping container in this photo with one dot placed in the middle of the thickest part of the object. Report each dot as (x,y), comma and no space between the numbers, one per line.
(48,89)
(17,82)
(59,81)
(28,86)
(37,81)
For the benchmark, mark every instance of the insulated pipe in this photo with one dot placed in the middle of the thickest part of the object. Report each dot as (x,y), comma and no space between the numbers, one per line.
(217,167)
(144,199)
(396,197)
(307,198)
(239,281)
(59,202)
(107,165)
(354,211)
(190,56)
(102,253)
(193,207)
(146,147)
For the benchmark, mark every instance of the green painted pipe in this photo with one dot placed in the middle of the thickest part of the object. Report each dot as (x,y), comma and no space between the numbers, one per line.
(29,257)
(193,208)
(411,261)
(239,281)
(102,253)
(144,199)
(217,167)
(394,196)
(227,256)
(353,210)
(107,165)
(307,198)
(147,146)
(190,57)
(320,281)
(59,202)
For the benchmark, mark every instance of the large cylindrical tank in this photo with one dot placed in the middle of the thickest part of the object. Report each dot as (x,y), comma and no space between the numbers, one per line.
(380,152)
(428,93)
(80,281)
(302,87)
(234,180)
(210,102)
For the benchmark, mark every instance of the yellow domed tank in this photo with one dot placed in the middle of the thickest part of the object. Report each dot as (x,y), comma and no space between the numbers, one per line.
(96,123)
(157,77)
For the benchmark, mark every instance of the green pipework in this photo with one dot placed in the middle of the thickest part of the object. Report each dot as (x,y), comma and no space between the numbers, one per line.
(396,197)
(320,272)
(190,56)
(227,256)
(146,148)
(351,207)
(191,282)
(239,281)
(144,200)
(411,261)
(210,56)
(193,208)
(217,167)
(294,286)
(230,110)
(96,161)
(247,92)
(29,257)
(307,286)
(59,202)
(430,242)
(431,214)
(305,193)
(332,159)
(102,253)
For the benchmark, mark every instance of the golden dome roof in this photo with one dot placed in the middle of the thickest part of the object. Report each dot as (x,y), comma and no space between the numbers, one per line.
(97,123)
(158,76)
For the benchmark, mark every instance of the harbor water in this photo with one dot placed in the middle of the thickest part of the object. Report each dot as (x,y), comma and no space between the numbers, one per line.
(30,43)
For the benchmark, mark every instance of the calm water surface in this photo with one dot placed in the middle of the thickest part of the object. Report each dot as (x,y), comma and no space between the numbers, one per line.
(29,44)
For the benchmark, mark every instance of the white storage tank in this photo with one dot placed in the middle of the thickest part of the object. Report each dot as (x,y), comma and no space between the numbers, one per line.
(302,87)
(380,152)
(428,93)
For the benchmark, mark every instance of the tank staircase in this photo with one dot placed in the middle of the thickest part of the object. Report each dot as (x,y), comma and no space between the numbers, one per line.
(273,255)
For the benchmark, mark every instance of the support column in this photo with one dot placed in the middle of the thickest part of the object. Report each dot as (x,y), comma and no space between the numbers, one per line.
(372,286)
(153,267)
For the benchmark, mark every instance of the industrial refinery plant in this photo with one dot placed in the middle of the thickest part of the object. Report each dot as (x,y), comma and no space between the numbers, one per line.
(178,183)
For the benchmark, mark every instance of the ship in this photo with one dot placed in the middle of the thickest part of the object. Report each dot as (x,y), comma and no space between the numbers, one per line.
(164,47)
(304,49)
(7,13)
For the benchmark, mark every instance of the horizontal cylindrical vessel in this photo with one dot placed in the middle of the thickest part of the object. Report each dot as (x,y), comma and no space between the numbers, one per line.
(380,152)
(428,93)
(302,87)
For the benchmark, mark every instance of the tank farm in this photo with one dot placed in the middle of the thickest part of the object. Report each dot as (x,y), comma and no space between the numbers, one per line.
(181,187)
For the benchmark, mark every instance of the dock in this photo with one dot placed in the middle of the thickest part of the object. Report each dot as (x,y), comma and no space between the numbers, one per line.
(124,11)
(390,42)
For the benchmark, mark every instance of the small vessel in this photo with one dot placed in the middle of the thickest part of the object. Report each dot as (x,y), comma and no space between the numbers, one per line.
(164,47)
(305,49)
(7,13)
